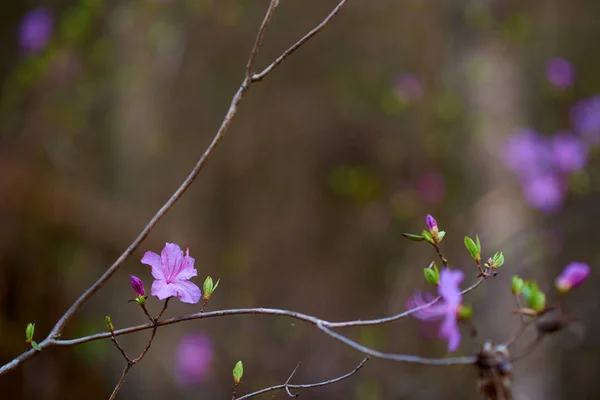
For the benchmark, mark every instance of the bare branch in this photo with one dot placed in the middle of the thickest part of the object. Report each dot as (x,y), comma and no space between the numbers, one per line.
(288,386)
(55,333)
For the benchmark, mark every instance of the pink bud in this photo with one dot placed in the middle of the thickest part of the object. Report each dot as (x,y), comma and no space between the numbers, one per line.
(572,276)
(431,222)
(137,285)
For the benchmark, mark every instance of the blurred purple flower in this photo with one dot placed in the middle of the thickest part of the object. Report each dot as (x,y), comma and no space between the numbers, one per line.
(572,276)
(527,154)
(449,290)
(544,192)
(560,73)
(137,285)
(570,153)
(171,271)
(408,87)
(194,356)
(432,187)
(585,119)
(35,30)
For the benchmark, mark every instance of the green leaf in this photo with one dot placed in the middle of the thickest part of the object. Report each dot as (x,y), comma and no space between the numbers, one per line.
(428,237)
(208,285)
(472,247)
(517,285)
(35,345)
(416,238)
(441,235)
(478,244)
(238,372)
(497,260)
(29,331)
(432,275)
(216,284)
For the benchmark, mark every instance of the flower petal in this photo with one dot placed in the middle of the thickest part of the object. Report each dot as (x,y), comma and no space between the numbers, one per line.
(186,291)
(171,257)
(430,313)
(450,332)
(152,259)
(186,268)
(449,287)
(161,289)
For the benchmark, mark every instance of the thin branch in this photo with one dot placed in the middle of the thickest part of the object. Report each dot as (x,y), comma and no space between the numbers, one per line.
(260,76)
(56,331)
(259,38)
(397,357)
(119,384)
(288,385)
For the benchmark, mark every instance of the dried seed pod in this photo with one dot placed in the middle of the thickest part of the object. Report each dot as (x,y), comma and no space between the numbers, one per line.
(495,372)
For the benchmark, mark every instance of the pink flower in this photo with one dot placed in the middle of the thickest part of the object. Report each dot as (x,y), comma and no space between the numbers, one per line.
(451,295)
(572,276)
(171,271)
(137,285)
(194,356)
(431,222)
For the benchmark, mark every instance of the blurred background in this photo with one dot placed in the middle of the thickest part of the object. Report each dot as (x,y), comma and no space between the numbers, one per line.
(481,112)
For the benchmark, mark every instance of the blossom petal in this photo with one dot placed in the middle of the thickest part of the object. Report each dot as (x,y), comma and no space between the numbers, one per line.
(161,289)
(186,291)
(450,332)
(449,287)
(186,269)
(152,259)
(431,313)
(171,257)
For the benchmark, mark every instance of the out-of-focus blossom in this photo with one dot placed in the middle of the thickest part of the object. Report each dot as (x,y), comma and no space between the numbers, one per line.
(35,30)
(570,153)
(194,356)
(544,192)
(137,285)
(432,188)
(449,290)
(585,119)
(572,276)
(172,271)
(527,154)
(408,87)
(560,73)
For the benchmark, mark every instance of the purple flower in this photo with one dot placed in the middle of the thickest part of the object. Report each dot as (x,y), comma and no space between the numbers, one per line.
(137,285)
(570,153)
(35,30)
(560,73)
(527,154)
(171,271)
(431,222)
(408,87)
(545,192)
(585,119)
(572,276)
(451,295)
(194,355)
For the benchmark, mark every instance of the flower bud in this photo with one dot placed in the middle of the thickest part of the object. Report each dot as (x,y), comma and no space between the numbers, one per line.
(109,324)
(209,288)
(137,285)
(431,223)
(573,275)
(465,312)
(432,274)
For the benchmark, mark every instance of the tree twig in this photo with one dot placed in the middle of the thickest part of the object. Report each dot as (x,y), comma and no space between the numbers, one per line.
(288,385)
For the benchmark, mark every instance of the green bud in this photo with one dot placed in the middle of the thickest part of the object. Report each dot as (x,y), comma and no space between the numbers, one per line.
(473,248)
(141,300)
(238,372)
(209,287)
(35,345)
(109,324)
(534,297)
(517,285)
(416,238)
(465,312)
(497,260)
(441,235)
(432,275)
(29,332)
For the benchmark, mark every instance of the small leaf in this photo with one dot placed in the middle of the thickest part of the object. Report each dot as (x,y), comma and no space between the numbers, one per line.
(428,237)
(416,238)
(35,345)
(472,247)
(478,244)
(517,285)
(109,324)
(465,312)
(238,372)
(432,275)
(216,284)
(29,332)
(441,235)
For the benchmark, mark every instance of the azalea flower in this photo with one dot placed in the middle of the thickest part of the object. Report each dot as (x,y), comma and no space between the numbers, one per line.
(35,30)
(572,276)
(451,295)
(172,271)
(194,357)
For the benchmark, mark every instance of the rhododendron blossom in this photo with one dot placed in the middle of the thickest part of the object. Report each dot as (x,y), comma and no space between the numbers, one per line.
(573,275)
(172,271)
(451,295)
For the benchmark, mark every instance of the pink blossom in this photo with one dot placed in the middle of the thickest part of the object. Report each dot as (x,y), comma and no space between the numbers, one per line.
(447,311)
(194,355)
(560,73)
(171,271)
(572,276)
